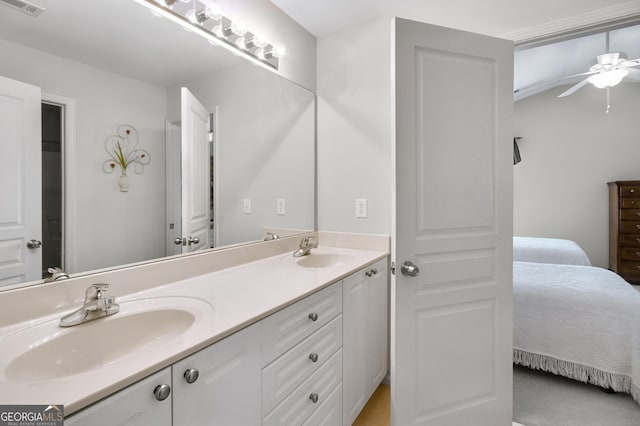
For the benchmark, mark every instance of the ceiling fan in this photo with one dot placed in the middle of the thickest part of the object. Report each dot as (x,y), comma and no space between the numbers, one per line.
(609,71)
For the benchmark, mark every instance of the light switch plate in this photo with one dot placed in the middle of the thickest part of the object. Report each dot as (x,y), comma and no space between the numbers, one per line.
(361,207)
(281,206)
(246,206)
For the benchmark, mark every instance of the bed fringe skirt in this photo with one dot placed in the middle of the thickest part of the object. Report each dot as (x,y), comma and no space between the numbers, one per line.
(575,371)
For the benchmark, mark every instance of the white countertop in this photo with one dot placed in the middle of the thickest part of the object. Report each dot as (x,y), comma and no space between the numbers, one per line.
(238,296)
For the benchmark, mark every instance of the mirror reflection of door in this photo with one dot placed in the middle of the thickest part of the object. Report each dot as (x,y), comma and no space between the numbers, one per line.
(189,156)
(20,226)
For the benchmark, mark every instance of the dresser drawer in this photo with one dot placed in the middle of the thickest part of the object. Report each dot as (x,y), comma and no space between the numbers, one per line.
(630,214)
(299,406)
(289,326)
(630,203)
(630,270)
(329,413)
(629,191)
(630,226)
(628,240)
(287,372)
(630,253)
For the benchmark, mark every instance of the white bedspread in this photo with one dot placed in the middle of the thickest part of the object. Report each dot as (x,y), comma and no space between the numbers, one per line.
(549,250)
(579,322)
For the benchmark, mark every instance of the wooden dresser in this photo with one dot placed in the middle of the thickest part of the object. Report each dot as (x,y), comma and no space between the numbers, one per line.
(624,229)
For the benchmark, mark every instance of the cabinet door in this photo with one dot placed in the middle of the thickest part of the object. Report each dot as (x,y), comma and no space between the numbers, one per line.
(227,390)
(378,326)
(354,344)
(135,405)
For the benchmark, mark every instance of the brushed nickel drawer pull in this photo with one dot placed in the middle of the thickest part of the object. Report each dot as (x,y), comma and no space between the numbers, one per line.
(637,213)
(638,253)
(314,397)
(638,226)
(313,317)
(632,191)
(637,266)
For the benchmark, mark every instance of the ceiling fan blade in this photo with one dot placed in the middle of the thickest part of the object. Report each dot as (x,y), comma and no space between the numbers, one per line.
(634,74)
(574,88)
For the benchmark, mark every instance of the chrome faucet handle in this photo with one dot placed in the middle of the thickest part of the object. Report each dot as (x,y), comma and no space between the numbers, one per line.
(95,291)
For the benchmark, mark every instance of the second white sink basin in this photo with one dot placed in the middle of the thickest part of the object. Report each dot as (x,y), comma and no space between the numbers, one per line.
(46,351)
(323,260)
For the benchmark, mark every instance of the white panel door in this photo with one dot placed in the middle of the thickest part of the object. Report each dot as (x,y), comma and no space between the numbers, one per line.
(20,209)
(196,189)
(452,323)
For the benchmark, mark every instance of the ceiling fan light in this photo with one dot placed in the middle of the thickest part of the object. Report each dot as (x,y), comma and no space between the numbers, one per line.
(608,78)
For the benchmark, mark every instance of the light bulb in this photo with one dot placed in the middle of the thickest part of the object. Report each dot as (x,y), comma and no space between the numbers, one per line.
(239,27)
(608,78)
(279,49)
(259,40)
(215,11)
(240,43)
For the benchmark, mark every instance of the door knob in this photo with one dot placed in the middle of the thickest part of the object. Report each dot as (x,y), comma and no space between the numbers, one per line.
(34,244)
(193,240)
(409,269)
(178,241)
(162,392)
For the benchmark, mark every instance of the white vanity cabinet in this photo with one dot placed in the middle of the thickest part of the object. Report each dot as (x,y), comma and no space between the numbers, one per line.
(220,385)
(365,331)
(136,405)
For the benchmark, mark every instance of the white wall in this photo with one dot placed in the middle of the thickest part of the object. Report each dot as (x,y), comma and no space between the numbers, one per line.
(354,128)
(112,227)
(266,140)
(570,150)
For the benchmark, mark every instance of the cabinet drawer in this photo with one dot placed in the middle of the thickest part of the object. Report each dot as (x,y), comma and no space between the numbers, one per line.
(630,214)
(630,268)
(329,413)
(289,326)
(299,406)
(628,240)
(630,253)
(630,203)
(287,372)
(629,191)
(630,226)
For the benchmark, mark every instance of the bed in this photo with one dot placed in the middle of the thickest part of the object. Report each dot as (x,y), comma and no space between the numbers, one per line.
(579,322)
(549,250)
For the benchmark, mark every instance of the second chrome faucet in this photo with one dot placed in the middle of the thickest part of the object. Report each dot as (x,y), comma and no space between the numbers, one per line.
(306,244)
(95,306)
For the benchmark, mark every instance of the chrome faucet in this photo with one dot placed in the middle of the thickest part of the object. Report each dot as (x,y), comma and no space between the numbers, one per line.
(306,244)
(56,275)
(95,306)
(269,236)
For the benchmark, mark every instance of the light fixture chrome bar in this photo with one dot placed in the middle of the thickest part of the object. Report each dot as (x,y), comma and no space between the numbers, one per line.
(221,32)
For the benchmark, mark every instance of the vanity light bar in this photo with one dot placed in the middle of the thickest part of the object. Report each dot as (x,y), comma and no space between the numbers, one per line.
(219,30)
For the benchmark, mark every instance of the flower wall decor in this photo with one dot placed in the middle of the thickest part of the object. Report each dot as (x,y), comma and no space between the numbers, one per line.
(122,148)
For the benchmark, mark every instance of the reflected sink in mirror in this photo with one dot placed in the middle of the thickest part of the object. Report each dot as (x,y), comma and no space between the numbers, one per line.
(46,351)
(324,260)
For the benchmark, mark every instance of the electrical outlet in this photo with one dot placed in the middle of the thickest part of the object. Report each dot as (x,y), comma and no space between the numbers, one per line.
(246,206)
(281,206)
(361,207)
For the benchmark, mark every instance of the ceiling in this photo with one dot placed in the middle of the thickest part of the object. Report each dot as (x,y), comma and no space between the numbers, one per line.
(115,34)
(536,69)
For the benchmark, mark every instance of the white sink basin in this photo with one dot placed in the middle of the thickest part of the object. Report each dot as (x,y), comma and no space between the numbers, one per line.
(46,351)
(324,260)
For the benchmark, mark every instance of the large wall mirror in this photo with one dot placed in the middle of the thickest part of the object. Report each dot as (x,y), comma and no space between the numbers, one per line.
(101,65)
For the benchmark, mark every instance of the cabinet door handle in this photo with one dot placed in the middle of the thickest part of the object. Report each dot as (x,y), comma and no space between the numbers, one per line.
(313,357)
(313,316)
(191,375)
(368,273)
(162,392)
(374,271)
(313,397)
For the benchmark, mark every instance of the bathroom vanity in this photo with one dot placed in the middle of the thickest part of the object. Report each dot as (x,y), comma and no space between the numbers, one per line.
(277,340)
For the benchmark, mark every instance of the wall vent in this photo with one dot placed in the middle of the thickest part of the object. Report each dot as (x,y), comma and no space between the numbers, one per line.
(24,7)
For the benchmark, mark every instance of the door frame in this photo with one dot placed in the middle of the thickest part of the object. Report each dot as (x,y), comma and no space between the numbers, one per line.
(69,254)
